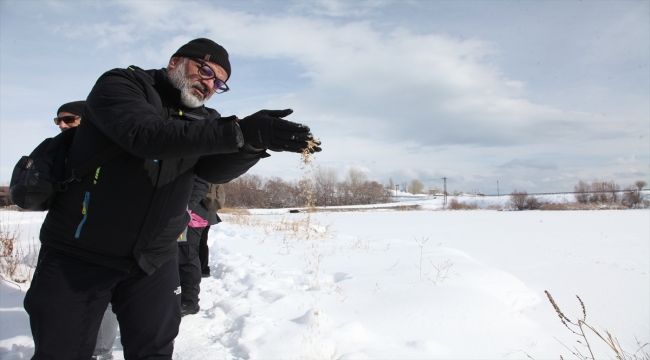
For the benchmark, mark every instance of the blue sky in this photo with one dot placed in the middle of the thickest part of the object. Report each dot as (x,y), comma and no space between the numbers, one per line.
(534,94)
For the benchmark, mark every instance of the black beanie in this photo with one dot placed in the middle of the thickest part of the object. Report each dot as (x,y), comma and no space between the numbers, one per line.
(75,107)
(206,50)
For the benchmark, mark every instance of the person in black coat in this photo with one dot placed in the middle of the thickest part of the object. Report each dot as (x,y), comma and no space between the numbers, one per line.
(68,116)
(112,236)
(189,262)
(213,202)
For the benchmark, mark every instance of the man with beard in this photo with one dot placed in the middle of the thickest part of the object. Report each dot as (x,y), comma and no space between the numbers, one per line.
(112,236)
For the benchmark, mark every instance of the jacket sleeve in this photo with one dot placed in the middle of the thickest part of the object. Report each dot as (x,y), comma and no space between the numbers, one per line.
(118,105)
(222,168)
(199,190)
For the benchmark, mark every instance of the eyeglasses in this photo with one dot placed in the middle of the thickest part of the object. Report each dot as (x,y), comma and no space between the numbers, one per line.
(206,72)
(66,119)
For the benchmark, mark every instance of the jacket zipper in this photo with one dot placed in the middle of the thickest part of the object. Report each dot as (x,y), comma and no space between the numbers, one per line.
(84,211)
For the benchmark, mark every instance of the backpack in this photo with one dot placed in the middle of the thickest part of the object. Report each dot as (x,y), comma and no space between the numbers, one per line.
(37,178)
(215,199)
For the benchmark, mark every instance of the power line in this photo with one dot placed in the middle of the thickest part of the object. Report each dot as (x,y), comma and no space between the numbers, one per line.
(581,192)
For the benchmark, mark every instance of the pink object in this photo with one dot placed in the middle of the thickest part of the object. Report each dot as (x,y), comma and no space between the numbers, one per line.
(196,221)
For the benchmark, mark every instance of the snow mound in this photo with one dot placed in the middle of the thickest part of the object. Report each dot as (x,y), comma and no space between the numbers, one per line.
(312,317)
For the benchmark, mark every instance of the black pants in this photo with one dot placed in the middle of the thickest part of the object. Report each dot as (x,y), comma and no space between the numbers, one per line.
(189,267)
(204,251)
(68,297)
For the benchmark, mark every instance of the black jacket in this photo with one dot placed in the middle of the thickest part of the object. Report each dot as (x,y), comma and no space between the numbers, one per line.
(199,191)
(132,210)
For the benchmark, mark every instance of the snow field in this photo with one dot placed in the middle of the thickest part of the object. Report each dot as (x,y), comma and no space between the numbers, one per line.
(405,284)
(356,296)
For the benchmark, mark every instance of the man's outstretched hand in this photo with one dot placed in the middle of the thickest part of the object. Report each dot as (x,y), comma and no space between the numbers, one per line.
(267,130)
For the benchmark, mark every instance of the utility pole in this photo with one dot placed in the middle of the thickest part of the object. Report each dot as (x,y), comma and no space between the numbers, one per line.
(498,188)
(444,202)
(396,191)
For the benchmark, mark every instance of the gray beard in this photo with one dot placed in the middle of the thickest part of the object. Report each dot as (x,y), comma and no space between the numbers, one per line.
(181,82)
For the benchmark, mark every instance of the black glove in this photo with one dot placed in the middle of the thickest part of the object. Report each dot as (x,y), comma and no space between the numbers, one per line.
(266,130)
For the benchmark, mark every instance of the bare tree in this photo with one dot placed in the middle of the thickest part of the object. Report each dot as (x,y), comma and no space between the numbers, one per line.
(640,184)
(281,194)
(598,192)
(355,177)
(603,192)
(416,186)
(325,182)
(371,192)
(518,199)
(254,191)
(532,203)
(245,192)
(582,190)
(633,197)
(391,184)
(613,189)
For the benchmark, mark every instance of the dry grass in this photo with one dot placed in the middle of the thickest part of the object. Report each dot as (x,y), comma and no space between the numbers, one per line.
(582,206)
(360,243)
(579,327)
(16,264)
(443,271)
(242,219)
(300,227)
(10,254)
(234,211)
(368,209)
(454,204)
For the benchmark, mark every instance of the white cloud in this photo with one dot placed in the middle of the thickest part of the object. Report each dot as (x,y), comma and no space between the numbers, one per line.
(398,100)
(531,163)
(624,160)
(334,8)
(430,88)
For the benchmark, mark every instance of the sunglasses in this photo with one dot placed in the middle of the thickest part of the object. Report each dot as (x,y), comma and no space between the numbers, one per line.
(206,72)
(66,119)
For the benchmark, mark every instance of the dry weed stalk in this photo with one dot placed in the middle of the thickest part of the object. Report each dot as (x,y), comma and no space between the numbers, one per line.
(422,253)
(421,245)
(8,237)
(360,243)
(612,342)
(12,255)
(443,271)
(243,220)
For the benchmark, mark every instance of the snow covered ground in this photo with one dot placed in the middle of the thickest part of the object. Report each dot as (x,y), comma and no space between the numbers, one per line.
(387,284)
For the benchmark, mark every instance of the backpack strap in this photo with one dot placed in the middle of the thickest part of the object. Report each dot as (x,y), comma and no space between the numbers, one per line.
(89,166)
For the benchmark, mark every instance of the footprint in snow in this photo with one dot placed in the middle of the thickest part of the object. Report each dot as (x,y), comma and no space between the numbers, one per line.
(271,296)
(340,276)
